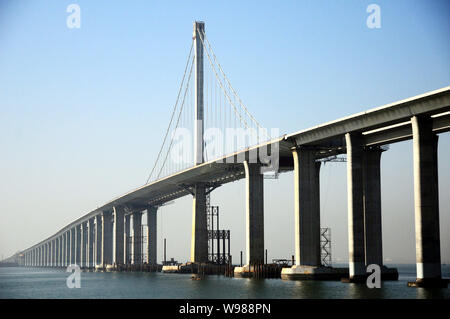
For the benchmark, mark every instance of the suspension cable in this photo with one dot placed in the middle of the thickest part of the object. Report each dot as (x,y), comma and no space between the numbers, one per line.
(178,118)
(221,85)
(229,83)
(173,112)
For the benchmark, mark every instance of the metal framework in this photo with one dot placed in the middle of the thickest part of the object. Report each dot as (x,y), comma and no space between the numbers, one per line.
(218,239)
(325,246)
(142,242)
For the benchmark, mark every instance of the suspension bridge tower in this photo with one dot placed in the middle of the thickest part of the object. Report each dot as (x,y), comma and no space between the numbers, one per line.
(199,237)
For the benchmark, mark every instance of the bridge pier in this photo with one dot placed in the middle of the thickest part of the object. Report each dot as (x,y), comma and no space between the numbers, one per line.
(53,249)
(55,252)
(66,249)
(254,186)
(308,263)
(357,269)
(126,243)
(61,251)
(199,235)
(44,255)
(307,208)
(372,206)
(426,202)
(151,235)
(98,241)
(90,242)
(72,246)
(137,238)
(106,254)
(373,239)
(118,245)
(49,253)
(83,232)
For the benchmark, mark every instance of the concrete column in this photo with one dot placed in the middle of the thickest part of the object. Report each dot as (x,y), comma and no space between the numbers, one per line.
(126,240)
(78,245)
(67,250)
(98,240)
(57,252)
(47,254)
(118,252)
(254,185)
(50,253)
(357,270)
(137,238)
(199,235)
(372,206)
(61,251)
(54,253)
(90,242)
(72,245)
(82,245)
(307,207)
(426,200)
(151,234)
(107,238)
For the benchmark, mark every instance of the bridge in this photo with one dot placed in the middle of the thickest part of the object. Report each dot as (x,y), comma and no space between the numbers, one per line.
(208,105)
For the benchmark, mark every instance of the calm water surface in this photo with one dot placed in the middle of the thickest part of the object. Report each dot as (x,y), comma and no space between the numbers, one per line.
(18,282)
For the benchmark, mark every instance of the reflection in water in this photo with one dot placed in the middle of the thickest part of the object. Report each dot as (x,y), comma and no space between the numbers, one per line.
(46,283)
(361,289)
(435,293)
(254,287)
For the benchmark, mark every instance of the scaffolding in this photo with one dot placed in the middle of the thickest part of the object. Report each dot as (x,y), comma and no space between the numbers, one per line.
(218,239)
(141,249)
(325,246)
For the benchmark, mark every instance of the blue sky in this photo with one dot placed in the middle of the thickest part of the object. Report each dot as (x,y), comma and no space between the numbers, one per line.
(83,111)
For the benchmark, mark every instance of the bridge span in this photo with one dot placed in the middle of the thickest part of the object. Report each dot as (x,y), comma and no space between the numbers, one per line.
(98,239)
